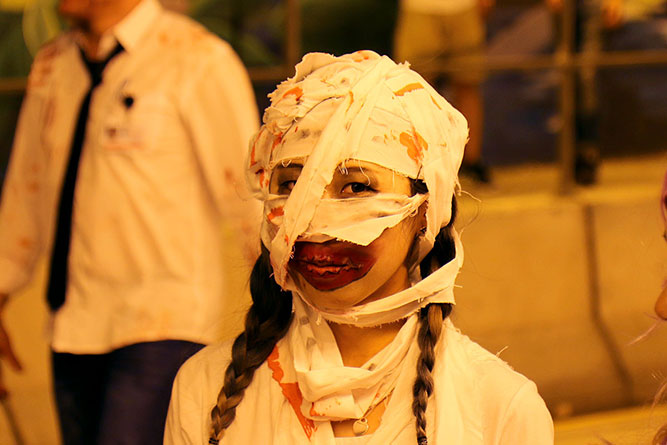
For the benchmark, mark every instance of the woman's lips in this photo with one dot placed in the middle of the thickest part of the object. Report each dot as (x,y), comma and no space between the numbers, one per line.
(330,265)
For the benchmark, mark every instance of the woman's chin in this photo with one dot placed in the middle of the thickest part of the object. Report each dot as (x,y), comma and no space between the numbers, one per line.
(337,299)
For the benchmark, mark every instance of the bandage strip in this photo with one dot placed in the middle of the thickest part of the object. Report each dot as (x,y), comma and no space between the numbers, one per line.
(336,110)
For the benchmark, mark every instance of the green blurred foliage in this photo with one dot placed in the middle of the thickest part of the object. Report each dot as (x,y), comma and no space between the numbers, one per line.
(255,28)
(14,56)
(14,62)
(344,26)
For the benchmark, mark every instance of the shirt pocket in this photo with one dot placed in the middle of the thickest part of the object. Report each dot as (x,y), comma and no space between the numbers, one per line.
(137,123)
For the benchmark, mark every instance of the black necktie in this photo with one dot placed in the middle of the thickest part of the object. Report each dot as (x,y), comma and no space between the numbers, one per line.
(59,256)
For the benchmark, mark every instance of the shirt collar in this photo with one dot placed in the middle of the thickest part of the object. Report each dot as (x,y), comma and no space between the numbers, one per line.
(129,31)
(132,28)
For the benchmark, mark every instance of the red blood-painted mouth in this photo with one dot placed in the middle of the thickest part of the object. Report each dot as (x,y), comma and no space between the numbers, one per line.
(331,265)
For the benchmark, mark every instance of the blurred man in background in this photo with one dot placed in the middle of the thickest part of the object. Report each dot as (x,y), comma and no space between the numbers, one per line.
(430,32)
(126,161)
(590,18)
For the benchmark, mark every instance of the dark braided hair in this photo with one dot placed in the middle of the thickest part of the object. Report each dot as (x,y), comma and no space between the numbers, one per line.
(267,321)
(269,318)
(431,320)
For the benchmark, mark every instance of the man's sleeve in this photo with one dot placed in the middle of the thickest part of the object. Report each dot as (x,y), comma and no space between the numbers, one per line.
(221,116)
(22,206)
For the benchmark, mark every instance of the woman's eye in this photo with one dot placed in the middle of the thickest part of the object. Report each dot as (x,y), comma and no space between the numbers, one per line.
(356,188)
(285,187)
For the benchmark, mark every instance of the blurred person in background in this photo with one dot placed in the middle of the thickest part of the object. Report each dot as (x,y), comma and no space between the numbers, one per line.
(590,18)
(432,32)
(125,165)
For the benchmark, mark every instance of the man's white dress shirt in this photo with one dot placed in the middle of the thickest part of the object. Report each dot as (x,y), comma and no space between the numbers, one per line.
(161,169)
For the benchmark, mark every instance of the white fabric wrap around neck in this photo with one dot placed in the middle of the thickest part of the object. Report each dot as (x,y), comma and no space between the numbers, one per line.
(334,112)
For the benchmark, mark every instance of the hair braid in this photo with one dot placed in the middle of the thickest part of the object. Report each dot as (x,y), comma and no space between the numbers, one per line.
(430,319)
(430,327)
(267,321)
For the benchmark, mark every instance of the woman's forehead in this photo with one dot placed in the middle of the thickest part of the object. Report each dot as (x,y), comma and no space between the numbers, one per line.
(387,139)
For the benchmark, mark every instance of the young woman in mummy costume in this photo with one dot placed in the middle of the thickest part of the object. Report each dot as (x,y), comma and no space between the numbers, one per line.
(348,339)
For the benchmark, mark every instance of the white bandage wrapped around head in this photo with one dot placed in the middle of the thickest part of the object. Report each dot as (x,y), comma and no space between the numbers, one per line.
(357,107)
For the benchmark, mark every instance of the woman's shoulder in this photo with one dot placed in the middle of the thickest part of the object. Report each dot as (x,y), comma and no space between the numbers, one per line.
(509,402)
(194,393)
(486,369)
(214,357)
(203,373)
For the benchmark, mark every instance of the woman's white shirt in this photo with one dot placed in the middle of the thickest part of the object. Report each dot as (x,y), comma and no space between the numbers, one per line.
(478,399)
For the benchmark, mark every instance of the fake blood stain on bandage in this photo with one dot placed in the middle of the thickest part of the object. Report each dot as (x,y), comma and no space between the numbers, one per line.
(278,211)
(408,88)
(415,145)
(297,92)
(291,392)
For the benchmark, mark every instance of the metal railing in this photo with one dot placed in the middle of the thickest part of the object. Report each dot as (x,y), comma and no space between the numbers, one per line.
(564,60)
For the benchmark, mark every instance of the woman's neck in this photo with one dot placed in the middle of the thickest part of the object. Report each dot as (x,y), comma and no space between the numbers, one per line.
(357,345)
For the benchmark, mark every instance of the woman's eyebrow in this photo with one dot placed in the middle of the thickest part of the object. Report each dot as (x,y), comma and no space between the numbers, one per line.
(358,169)
(366,172)
(369,172)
